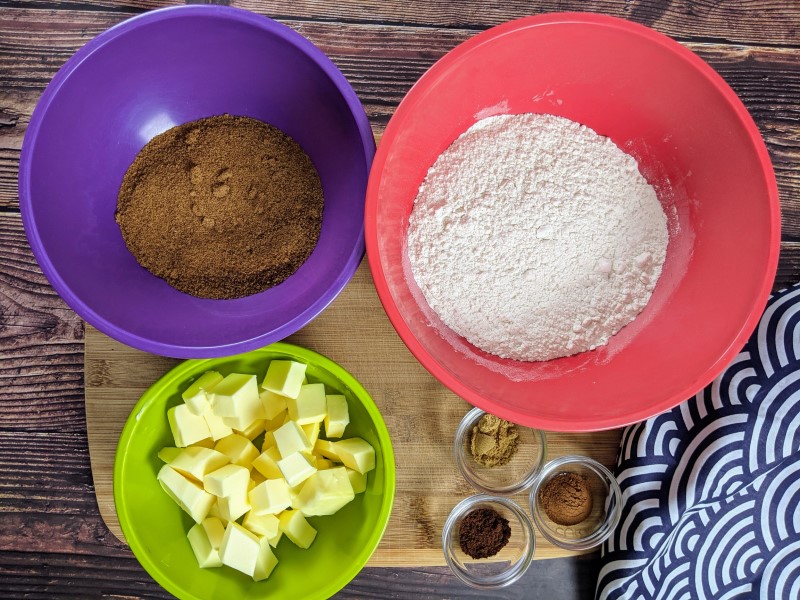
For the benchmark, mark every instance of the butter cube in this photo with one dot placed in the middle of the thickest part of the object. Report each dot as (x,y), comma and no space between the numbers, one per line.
(269,441)
(233,506)
(327,449)
(357,480)
(261,525)
(215,530)
(256,428)
(280,419)
(236,395)
(197,462)
(190,496)
(204,552)
(167,453)
(266,561)
(256,477)
(325,492)
(238,449)
(196,395)
(272,403)
(294,495)
(290,438)
(296,528)
(324,463)
(216,426)
(296,469)
(239,549)
(226,480)
(187,427)
(273,541)
(267,463)
(270,497)
(310,405)
(205,443)
(356,454)
(312,432)
(213,512)
(284,377)
(337,417)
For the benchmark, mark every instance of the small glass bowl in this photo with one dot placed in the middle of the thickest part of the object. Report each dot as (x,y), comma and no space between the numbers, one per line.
(505,567)
(606,504)
(505,480)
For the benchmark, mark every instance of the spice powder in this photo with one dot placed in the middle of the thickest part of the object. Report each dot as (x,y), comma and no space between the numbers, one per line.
(566,498)
(223,207)
(483,533)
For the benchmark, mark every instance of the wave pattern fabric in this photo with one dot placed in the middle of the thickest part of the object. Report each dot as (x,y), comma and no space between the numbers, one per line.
(711,489)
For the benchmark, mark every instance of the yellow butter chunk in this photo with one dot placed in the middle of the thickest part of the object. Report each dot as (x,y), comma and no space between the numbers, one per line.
(233,506)
(226,480)
(239,549)
(237,396)
(296,528)
(261,525)
(325,492)
(269,441)
(296,468)
(273,424)
(270,497)
(284,377)
(204,552)
(357,480)
(290,438)
(214,529)
(197,462)
(327,449)
(337,417)
(216,426)
(267,463)
(312,432)
(310,405)
(266,561)
(187,427)
(238,449)
(256,477)
(272,403)
(273,541)
(167,453)
(196,395)
(356,454)
(256,428)
(192,498)
(205,443)
(324,463)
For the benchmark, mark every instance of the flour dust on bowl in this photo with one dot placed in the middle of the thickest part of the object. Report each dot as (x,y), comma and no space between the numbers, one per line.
(693,142)
(156,528)
(141,78)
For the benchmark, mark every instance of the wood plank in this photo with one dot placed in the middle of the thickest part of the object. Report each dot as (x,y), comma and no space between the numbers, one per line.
(744,21)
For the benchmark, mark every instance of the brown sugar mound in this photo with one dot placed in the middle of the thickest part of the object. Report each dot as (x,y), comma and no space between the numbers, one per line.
(566,498)
(493,441)
(223,207)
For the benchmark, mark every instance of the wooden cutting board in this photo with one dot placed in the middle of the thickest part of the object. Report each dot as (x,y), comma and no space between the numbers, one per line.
(421,414)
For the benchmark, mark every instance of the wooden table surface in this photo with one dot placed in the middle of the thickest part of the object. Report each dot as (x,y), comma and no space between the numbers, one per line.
(52,541)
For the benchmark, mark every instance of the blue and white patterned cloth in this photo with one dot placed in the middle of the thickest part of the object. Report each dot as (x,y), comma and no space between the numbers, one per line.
(711,489)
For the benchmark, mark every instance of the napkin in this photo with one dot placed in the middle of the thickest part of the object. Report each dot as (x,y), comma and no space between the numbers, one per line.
(711,489)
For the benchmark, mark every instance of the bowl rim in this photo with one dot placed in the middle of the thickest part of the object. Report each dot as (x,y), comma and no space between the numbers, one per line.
(585,422)
(179,373)
(78,304)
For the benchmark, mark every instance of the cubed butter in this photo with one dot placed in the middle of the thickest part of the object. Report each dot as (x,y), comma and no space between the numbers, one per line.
(192,498)
(235,395)
(204,552)
(310,405)
(196,395)
(296,468)
(239,549)
(197,462)
(226,480)
(327,449)
(267,463)
(356,454)
(337,417)
(273,541)
(167,453)
(187,427)
(261,525)
(273,404)
(216,426)
(269,441)
(238,449)
(205,443)
(266,561)
(233,506)
(256,429)
(215,530)
(280,419)
(324,463)
(325,492)
(312,432)
(256,477)
(296,528)
(284,377)
(290,438)
(270,497)
(357,480)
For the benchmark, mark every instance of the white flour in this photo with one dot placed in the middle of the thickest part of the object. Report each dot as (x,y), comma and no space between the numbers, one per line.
(534,237)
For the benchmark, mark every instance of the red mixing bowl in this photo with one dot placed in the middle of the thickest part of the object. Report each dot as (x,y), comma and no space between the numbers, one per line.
(695,142)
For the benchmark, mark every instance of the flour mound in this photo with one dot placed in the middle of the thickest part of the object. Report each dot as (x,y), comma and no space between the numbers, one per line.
(534,237)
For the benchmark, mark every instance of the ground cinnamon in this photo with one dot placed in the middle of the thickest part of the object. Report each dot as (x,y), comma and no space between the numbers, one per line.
(566,498)
(222,207)
(483,533)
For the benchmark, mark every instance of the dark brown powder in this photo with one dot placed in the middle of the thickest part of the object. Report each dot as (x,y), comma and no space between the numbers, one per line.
(566,498)
(222,207)
(483,533)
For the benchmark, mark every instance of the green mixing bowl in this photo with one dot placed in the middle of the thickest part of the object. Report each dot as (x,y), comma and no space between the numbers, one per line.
(156,527)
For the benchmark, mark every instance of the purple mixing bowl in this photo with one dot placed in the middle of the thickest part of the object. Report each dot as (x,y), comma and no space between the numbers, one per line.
(137,80)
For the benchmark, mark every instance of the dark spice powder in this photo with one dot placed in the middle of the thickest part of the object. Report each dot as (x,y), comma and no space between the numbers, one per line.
(483,533)
(566,498)
(222,207)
